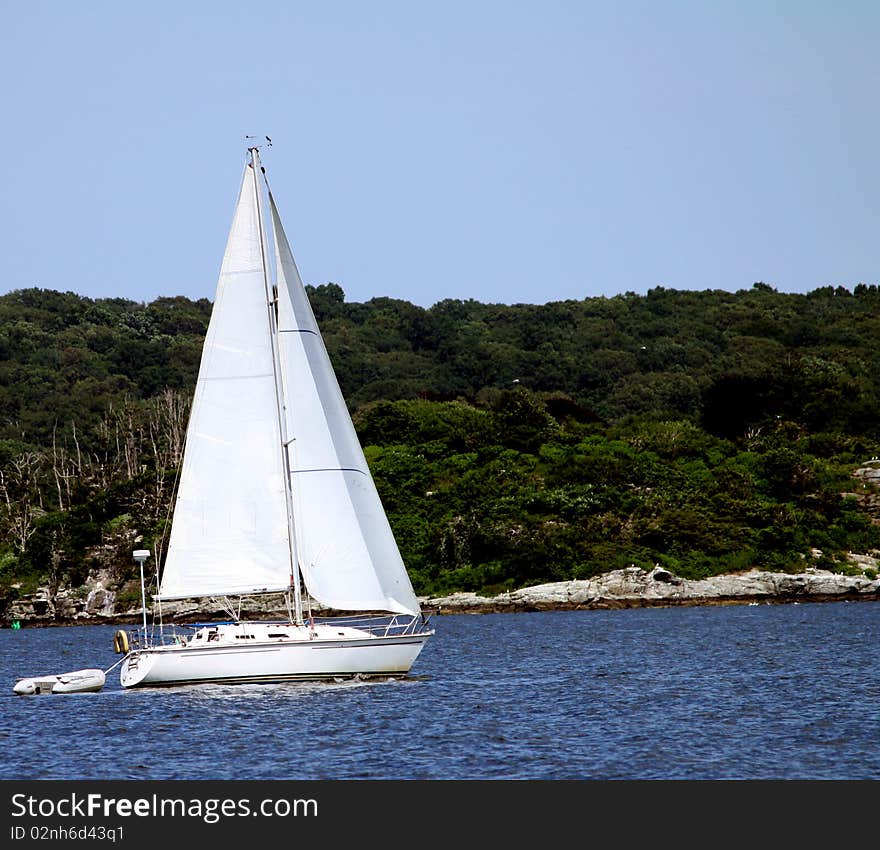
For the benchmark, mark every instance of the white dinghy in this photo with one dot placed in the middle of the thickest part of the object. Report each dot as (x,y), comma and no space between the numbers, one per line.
(79,681)
(75,682)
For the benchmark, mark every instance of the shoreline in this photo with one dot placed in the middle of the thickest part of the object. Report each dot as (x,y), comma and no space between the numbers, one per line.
(635,588)
(620,589)
(492,607)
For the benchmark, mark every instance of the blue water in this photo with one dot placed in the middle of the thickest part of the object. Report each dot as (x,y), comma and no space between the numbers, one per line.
(740,692)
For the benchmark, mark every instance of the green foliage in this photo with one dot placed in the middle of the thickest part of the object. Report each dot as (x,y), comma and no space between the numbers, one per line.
(707,432)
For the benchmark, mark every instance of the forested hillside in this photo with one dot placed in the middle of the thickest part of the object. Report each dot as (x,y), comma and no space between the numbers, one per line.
(512,444)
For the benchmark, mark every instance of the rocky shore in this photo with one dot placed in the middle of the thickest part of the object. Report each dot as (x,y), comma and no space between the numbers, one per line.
(635,588)
(626,588)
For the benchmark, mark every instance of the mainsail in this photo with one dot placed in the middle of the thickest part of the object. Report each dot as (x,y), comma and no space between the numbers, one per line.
(230,533)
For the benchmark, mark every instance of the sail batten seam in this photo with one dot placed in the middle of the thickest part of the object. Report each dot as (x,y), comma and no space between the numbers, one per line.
(329,469)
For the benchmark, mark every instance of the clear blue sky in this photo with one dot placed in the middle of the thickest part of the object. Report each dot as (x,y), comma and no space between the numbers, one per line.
(519,151)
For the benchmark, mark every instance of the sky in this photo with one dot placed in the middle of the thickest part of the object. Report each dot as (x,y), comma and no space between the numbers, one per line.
(508,151)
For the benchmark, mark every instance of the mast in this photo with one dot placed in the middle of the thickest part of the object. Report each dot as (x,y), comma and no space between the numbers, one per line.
(284,440)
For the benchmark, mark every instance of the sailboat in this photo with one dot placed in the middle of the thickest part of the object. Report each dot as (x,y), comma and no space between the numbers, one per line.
(275,495)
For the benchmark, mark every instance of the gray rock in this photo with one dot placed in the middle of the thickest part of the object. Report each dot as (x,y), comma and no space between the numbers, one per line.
(633,587)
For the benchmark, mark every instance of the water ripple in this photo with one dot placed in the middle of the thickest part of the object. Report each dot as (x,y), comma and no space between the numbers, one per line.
(761,692)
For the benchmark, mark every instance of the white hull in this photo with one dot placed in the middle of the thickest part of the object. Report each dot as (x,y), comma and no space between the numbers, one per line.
(248,652)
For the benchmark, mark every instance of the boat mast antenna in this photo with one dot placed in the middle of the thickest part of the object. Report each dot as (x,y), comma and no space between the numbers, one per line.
(252,142)
(141,555)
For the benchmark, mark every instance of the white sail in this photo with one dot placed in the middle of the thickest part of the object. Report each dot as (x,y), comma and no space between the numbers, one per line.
(230,534)
(347,552)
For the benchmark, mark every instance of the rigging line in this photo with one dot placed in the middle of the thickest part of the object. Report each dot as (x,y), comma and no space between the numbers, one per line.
(116,664)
